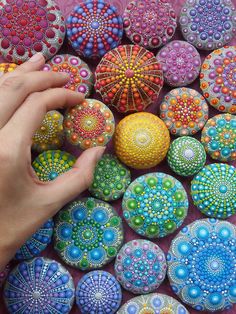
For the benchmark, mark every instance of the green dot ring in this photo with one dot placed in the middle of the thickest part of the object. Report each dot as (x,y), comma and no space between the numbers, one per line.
(88,233)
(155,205)
(52,163)
(213,190)
(186,156)
(111,179)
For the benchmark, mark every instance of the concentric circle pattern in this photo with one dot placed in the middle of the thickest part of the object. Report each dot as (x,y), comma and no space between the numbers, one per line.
(213,190)
(184,111)
(155,205)
(6,68)
(149,23)
(98,292)
(89,124)
(219,137)
(88,233)
(29,27)
(186,156)
(81,77)
(140,266)
(208,24)
(93,28)
(111,179)
(202,265)
(129,78)
(40,285)
(218,79)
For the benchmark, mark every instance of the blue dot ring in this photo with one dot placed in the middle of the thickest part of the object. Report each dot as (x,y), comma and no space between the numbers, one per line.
(213,190)
(202,265)
(37,243)
(98,292)
(88,233)
(40,285)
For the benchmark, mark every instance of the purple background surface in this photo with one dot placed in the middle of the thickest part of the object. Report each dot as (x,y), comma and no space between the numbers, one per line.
(66,6)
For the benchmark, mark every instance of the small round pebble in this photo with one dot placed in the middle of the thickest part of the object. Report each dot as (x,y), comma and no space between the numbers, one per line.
(149,23)
(98,292)
(88,233)
(111,179)
(3,274)
(202,265)
(218,79)
(7,68)
(50,135)
(208,24)
(155,205)
(186,156)
(93,28)
(40,285)
(81,77)
(184,111)
(89,124)
(180,62)
(141,140)
(219,137)
(213,190)
(140,266)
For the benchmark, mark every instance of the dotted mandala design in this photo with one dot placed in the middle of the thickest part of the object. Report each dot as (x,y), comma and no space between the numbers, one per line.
(202,265)
(155,205)
(88,233)
(3,275)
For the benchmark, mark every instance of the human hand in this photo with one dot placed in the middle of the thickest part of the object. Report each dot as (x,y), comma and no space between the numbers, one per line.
(26,203)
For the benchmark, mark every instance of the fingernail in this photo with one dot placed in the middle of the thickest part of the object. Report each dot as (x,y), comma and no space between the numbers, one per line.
(100,152)
(37,57)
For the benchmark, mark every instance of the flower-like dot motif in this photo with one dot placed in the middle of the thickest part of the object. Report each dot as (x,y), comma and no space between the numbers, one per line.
(40,285)
(89,124)
(129,78)
(218,79)
(50,135)
(111,179)
(155,205)
(202,265)
(28,27)
(93,28)
(140,266)
(52,163)
(98,292)
(184,111)
(208,24)
(3,274)
(213,190)
(88,233)
(6,68)
(219,137)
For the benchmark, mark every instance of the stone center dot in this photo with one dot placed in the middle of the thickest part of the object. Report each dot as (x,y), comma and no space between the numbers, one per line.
(129,73)
(227,136)
(214,265)
(36,295)
(88,122)
(53,175)
(189,153)
(223,189)
(95,25)
(87,234)
(98,296)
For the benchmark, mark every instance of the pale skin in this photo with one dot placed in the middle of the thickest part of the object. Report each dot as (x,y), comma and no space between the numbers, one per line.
(26,94)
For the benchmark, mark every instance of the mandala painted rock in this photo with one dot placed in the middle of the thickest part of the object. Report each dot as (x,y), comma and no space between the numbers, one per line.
(202,265)
(213,190)
(218,79)
(93,28)
(111,179)
(141,140)
(50,135)
(29,27)
(151,304)
(52,163)
(219,137)
(98,292)
(140,266)
(37,243)
(89,124)
(186,156)
(149,23)
(81,77)
(129,78)
(40,285)
(180,62)
(208,24)
(184,111)
(155,205)
(6,68)
(88,233)
(3,274)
